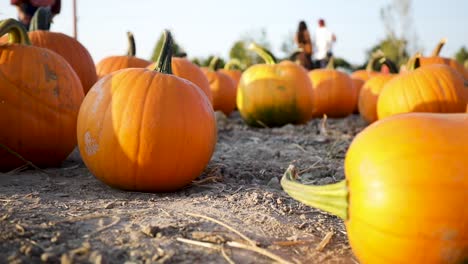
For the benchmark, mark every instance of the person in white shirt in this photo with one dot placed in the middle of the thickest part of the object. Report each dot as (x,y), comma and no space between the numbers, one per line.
(324,40)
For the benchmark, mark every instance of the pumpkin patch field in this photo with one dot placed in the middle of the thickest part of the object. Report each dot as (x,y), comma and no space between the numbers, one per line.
(253,157)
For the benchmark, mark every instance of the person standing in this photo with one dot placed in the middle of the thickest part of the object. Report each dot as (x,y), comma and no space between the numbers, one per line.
(324,40)
(304,42)
(27,8)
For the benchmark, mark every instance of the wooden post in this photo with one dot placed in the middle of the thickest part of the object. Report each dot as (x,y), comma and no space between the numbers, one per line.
(75,32)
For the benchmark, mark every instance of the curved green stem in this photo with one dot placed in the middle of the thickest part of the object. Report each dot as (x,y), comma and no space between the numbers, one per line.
(331,64)
(15,30)
(374,57)
(231,63)
(41,19)
(414,62)
(163,63)
(439,47)
(131,44)
(390,64)
(266,55)
(332,198)
(213,63)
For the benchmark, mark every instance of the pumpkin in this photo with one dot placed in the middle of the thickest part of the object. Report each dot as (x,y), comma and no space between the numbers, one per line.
(69,48)
(274,94)
(359,77)
(233,73)
(222,88)
(146,130)
(436,59)
(187,70)
(405,193)
(40,95)
(333,92)
(115,63)
(370,92)
(432,88)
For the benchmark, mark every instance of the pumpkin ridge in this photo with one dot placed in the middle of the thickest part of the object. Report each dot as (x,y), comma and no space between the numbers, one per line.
(136,172)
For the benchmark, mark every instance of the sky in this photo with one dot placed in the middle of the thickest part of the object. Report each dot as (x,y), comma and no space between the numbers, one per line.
(206,27)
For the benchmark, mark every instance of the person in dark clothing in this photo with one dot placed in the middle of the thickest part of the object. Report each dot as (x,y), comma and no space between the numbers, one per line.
(26,9)
(304,42)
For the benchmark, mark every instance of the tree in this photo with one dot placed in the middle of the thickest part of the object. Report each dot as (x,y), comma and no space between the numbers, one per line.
(177,50)
(401,39)
(462,55)
(240,51)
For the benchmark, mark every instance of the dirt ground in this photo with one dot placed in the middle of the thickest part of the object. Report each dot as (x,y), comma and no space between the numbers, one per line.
(67,216)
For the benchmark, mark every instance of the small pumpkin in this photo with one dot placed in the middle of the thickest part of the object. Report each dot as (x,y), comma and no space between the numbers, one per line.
(69,48)
(233,73)
(359,77)
(370,92)
(274,94)
(435,58)
(433,88)
(115,63)
(187,70)
(333,92)
(405,193)
(40,95)
(146,130)
(222,88)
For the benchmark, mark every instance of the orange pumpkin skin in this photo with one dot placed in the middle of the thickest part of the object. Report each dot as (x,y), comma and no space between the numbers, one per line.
(115,63)
(187,70)
(71,50)
(369,95)
(363,75)
(275,95)
(234,74)
(408,187)
(333,93)
(434,88)
(357,86)
(40,95)
(223,90)
(146,131)
(424,61)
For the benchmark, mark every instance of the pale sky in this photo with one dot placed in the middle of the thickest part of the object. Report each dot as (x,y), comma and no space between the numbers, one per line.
(205,27)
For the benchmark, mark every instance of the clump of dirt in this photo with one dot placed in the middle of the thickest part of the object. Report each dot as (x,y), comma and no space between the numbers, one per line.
(68,216)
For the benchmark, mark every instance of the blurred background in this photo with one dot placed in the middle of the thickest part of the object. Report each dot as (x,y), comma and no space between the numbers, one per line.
(205,28)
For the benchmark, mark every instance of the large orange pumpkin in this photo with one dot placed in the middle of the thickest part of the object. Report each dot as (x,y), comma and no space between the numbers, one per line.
(435,58)
(146,130)
(405,194)
(274,94)
(370,92)
(115,63)
(40,95)
(222,88)
(187,70)
(69,48)
(433,88)
(333,92)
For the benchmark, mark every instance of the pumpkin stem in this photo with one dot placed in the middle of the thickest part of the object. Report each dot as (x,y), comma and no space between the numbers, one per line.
(332,198)
(41,19)
(131,44)
(213,63)
(390,64)
(15,30)
(331,64)
(163,63)
(265,54)
(374,57)
(439,47)
(414,62)
(231,63)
